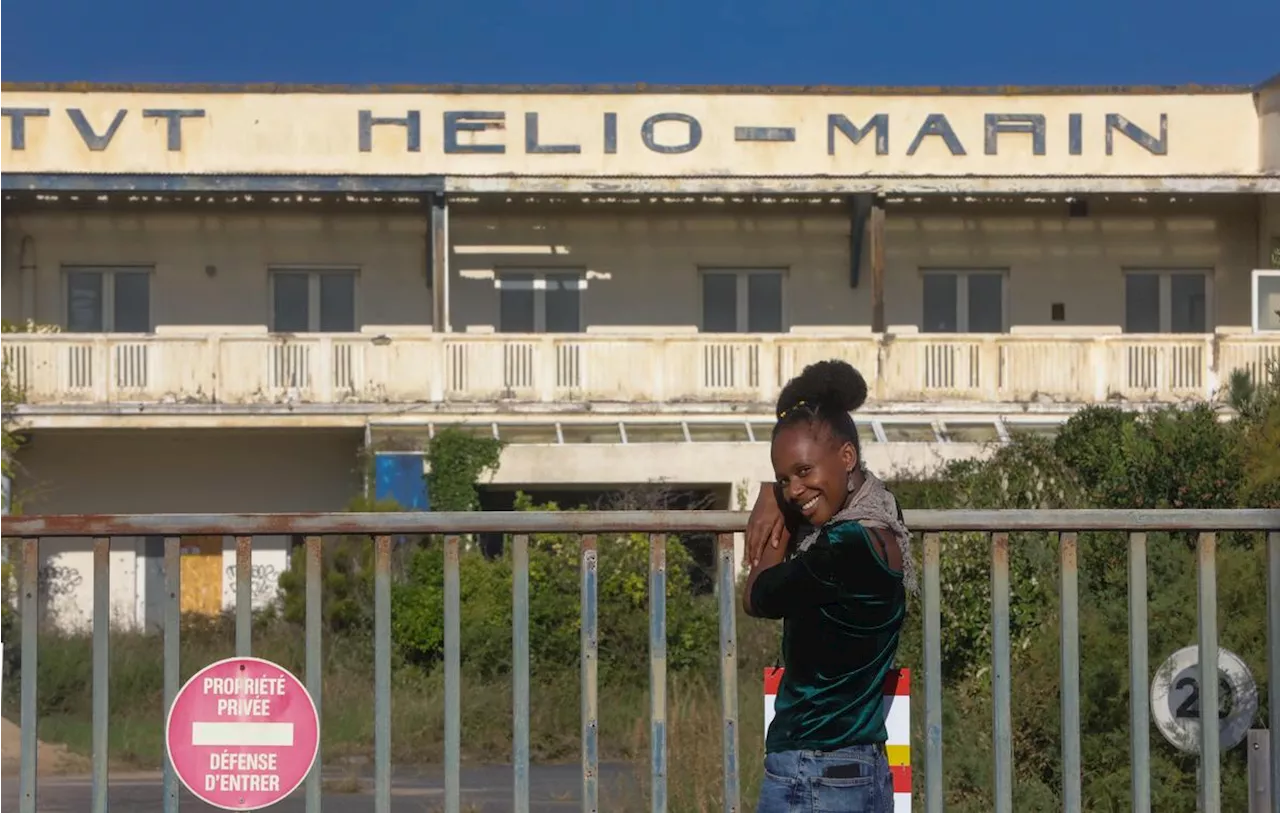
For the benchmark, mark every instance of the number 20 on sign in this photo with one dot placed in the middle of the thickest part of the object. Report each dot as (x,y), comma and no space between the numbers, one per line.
(1176,705)
(242,734)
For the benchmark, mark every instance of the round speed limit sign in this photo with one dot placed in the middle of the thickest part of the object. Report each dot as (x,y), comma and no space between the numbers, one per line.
(1176,705)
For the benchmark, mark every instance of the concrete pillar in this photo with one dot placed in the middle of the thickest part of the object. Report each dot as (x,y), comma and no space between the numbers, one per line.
(440,316)
(27,281)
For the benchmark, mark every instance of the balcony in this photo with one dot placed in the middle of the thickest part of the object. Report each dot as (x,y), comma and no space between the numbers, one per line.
(404,366)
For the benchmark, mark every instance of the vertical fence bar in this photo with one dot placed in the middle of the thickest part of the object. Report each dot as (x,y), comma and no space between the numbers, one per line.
(728,672)
(590,663)
(315,679)
(244,596)
(1002,722)
(1273,656)
(1210,767)
(382,675)
(933,673)
(452,679)
(101,667)
(1139,700)
(1069,686)
(520,683)
(658,669)
(30,640)
(172,631)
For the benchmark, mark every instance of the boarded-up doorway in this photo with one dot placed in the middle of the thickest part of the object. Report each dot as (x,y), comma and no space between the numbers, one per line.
(202,575)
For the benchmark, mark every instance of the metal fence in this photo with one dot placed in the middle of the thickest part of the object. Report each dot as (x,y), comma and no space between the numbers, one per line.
(999,524)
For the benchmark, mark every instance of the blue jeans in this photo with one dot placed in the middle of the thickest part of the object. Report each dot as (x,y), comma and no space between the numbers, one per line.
(851,780)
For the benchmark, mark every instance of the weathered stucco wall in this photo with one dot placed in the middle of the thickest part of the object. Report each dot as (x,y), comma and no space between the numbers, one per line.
(642,263)
(638,134)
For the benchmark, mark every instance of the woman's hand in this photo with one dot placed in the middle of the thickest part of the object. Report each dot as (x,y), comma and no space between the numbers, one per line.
(767,526)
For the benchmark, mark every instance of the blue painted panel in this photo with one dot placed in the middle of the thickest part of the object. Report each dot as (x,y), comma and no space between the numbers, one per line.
(399,476)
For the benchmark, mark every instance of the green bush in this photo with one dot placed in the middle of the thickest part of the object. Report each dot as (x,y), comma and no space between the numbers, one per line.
(554,607)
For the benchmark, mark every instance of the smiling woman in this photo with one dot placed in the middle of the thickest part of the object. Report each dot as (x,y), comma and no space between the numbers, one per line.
(840,591)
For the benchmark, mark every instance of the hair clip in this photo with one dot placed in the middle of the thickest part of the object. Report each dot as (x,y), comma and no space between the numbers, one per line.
(792,408)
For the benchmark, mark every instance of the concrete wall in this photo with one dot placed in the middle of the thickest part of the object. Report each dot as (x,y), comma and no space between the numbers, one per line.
(162,471)
(642,263)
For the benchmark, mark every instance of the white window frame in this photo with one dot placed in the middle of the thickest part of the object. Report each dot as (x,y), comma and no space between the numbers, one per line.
(1256,292)
(313,272)
(962,294)
(1165,305)
(742,292)
(540,292)
(108,272)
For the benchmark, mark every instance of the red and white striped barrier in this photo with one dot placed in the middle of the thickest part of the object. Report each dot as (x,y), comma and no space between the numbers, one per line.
(897,713)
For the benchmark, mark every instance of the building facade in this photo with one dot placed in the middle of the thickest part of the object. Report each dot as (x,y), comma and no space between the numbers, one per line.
(252,286)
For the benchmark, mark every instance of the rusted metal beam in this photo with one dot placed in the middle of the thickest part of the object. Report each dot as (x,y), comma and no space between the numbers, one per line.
(69,525)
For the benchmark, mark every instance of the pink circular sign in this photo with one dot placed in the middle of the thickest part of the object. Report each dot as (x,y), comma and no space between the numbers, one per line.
(242,734)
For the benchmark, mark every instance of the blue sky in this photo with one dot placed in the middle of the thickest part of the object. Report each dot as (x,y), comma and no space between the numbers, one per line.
(1095,42)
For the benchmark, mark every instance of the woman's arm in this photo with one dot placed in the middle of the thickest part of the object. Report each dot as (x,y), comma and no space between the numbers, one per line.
(770,556)
(769,525)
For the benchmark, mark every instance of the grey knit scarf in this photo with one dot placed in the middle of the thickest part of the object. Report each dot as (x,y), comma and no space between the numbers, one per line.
(875,507)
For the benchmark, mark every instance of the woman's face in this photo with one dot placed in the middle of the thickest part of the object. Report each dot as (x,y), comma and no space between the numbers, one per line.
(812,467)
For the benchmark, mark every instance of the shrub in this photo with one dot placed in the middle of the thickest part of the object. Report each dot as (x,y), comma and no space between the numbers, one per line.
(554,607)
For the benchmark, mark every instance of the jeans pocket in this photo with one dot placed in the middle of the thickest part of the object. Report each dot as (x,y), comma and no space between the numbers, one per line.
(838,796)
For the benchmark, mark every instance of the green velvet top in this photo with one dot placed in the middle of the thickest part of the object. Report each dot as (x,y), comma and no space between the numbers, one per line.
(842,608)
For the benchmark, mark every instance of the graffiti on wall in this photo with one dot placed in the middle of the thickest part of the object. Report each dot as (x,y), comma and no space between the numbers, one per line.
(263,581)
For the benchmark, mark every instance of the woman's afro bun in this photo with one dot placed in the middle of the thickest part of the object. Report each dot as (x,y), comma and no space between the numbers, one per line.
(830,385)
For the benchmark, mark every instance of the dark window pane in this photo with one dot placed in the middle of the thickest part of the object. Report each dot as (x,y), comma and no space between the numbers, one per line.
(1188,303)
(1142,303)
(337,303)
(764,303)
(132,302)
(515,304)
(720,303)
(564,303)
(290,303)
(84,302)
(986,303)
(940,304)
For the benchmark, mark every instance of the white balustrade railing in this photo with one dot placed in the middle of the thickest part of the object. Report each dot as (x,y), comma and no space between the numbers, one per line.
(403,367)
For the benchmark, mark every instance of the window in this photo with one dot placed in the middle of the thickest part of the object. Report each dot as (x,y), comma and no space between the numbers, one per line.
(540,301)
(310,300)
(742,301)
(1266,300)
(1166,302)
(108,300)
(963,302)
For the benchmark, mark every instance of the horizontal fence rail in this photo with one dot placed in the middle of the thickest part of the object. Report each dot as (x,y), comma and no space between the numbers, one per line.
(658,525)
